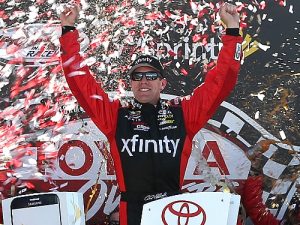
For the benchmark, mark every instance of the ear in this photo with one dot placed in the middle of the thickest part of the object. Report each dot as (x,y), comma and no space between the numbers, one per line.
(163,84)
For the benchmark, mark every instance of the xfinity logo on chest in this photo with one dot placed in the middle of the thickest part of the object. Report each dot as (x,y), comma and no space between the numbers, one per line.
(157,146)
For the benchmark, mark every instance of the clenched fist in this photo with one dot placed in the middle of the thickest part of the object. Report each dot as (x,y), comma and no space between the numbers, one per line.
(229,15)
(70,14)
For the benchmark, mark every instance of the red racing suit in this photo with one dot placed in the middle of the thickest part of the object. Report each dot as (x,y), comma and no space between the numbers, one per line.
(150,145)
(253,203)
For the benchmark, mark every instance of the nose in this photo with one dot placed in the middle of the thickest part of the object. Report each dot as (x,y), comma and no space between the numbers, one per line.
(144,80)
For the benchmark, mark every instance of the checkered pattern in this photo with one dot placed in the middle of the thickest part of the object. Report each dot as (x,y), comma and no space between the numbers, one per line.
(279,166)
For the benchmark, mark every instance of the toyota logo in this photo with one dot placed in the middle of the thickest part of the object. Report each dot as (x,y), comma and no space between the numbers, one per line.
(184,211)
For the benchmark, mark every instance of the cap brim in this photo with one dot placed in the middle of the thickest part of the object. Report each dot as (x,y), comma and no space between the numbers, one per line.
(140,65)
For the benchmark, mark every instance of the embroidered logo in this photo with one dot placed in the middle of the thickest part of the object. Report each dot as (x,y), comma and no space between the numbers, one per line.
(141,127)
(238,52)
(161,146)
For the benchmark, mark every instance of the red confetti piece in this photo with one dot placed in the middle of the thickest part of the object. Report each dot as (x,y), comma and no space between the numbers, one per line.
(14,163)
(3,15)
(262,5)
(153,16)
(32,83)
(213,28)
(132,32)
(149,2)
(111,8)
(196,37)
(184,72)
(129,23)
(191,27)
(202,13)
(204,41)
(40,2)
(282,3)
(211,64)
(29,152)
(57,69)
(168,14)
(12,49)
(19,60)
(240,8)
(171,53)
(243,25)
(29,185)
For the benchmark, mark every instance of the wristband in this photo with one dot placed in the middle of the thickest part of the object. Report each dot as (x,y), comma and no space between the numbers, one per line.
(66,29)
(233,31)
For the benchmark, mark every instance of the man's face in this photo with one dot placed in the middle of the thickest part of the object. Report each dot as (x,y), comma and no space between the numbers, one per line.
(147,91)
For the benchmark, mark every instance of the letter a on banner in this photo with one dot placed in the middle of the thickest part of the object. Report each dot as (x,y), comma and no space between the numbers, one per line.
(212,147)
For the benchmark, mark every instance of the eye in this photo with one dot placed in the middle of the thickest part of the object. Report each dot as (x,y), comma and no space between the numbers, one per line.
(151,75)
(137,76)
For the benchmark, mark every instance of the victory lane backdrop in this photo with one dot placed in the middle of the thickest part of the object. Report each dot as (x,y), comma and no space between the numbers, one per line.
(48,143)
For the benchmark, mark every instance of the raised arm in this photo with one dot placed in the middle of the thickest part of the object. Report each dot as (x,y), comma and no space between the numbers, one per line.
(219,81)
(253,202)
(253,187)
(84,87)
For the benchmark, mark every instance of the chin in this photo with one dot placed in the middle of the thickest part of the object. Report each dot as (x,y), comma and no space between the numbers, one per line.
(143,100)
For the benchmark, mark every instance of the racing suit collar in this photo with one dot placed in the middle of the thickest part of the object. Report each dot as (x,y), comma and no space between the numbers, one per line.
(139,105)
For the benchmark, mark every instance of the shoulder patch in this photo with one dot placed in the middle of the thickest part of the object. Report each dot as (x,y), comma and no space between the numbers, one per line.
(238,52)
(175,101)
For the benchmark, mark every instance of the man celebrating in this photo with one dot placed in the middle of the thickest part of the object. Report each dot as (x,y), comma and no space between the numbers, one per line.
(150,138)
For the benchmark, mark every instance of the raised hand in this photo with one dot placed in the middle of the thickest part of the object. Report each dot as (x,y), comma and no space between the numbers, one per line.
(70,14)
(229,15)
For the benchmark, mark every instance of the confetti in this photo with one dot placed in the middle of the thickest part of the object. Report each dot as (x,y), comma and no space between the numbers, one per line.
(35,97)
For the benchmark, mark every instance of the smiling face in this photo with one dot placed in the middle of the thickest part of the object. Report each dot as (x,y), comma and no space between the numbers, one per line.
(147,91)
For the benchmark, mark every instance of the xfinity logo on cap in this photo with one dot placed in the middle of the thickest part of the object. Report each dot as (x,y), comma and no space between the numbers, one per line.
(157,146)
(143,60)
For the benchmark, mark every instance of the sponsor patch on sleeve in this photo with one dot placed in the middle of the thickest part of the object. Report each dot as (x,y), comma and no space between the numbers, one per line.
(238,52)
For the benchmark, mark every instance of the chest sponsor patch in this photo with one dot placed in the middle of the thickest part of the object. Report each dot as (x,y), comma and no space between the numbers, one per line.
(168,128)
(141,127)
(165,117)
(160,146)
(134,116)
